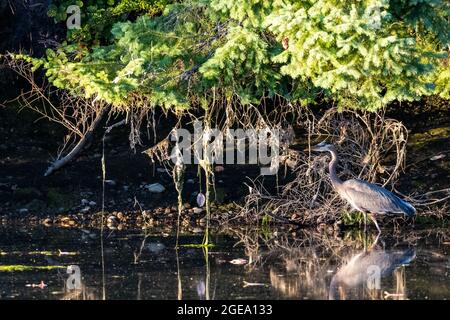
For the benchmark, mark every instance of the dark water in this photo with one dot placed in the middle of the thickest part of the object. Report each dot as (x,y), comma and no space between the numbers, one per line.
(300,266)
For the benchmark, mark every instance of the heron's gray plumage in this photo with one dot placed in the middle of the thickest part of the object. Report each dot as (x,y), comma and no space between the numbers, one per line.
(369,197)
(362,195)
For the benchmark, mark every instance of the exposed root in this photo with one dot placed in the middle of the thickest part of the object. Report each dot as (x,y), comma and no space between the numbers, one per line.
(371,147)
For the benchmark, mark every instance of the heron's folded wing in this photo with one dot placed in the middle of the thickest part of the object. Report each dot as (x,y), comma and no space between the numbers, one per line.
(372,198)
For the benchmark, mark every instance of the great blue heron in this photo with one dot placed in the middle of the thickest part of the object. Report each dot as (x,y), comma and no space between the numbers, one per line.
(363,196)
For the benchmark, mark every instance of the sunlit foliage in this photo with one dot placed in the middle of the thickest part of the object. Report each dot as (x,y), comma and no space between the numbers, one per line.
(359,54)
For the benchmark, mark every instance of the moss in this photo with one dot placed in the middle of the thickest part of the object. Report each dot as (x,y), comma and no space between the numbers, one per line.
(57,199)
(351,218)
(27,193)
(44,253)
(37,206)
(435,134)
(21,267)
(434,221)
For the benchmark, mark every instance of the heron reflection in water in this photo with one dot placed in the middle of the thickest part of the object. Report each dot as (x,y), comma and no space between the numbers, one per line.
(364,271)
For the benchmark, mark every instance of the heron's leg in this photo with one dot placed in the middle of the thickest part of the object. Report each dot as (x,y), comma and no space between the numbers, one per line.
(365,231)
(365,222)
(376,224)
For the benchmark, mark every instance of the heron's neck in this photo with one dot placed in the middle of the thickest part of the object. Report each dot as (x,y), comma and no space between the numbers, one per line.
(335,180)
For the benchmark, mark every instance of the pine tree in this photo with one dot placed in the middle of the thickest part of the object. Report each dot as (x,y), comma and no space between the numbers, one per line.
(360,54)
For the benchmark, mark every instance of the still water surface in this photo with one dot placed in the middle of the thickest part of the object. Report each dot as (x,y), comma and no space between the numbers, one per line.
(241,265)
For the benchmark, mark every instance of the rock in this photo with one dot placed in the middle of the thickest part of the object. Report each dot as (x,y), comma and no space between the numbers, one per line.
(197,230)
(167,211)
(92,203)
(190,181)
(111,221)
(47,222)
(155,188)
(438,157)
(238,261)
(161,170)
(84,202)
(85,209)
(198,210)
(67,222)
(120,216)
(156,247)
(23,210)
(111,183)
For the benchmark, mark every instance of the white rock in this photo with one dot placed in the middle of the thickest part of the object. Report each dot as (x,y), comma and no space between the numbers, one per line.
(198,210)
(191,181)
(197,230)
(439,156)
(111,182)
(238,261)
(92,203)
(84,202)
(156,247)
(23,210)
(155,188)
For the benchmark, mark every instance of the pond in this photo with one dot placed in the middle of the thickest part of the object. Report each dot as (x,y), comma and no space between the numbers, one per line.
(69,263)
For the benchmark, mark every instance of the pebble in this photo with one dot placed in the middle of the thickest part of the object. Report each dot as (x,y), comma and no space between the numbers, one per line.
(110,182)
(197,230)
(112,220)
(197,210)
(155,188)
(156,247)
